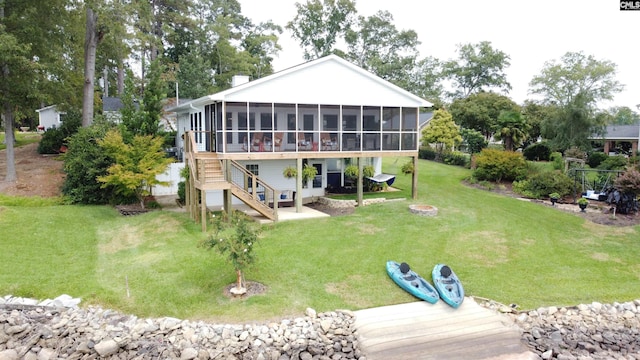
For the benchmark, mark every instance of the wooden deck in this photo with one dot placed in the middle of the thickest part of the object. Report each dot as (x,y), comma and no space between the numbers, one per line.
(420,330)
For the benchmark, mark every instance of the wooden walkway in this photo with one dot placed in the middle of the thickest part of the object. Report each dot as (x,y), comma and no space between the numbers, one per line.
(420,330)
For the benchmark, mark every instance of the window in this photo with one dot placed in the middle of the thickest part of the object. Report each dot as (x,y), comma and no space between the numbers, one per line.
(330,122)
(349,122)
(308,122)
(229,128)
(265,121)
(291,126)
(253,168)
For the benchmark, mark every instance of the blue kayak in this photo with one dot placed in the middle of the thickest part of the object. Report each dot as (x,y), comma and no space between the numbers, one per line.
(448,285)
(411,282)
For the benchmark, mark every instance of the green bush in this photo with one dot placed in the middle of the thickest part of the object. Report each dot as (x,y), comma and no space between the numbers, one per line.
(557,160)
(181,192)
(596,158)
(53,139)
(427,153)
(540,185)
(498,165)
(456,158)
(84,161)
(617,162)
(537,152)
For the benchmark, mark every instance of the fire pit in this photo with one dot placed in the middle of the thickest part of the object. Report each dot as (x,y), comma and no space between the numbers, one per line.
(424,210)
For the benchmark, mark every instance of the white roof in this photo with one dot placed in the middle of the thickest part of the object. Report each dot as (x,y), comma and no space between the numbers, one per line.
(329,80)
(46,108)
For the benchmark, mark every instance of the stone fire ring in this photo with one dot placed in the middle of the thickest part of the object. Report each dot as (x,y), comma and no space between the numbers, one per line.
(424,210)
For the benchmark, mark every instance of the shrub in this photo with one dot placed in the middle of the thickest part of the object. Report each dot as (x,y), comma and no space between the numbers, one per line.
(617,162)
(629,182)
(181,192)
(498,165)
(537,152)
(557,160)
(456,158)
(53,139)
(596,158)
(540,185)
(427,153)
(83,163)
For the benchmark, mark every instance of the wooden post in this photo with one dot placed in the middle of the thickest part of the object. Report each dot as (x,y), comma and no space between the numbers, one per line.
(203,210)
(299,185)
(227,192)
(360,185)
(414,183)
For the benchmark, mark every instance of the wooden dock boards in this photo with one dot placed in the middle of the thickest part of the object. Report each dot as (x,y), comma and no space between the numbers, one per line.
(420,330)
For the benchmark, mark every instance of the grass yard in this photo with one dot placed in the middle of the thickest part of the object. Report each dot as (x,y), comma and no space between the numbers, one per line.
(21,138)
(502,248)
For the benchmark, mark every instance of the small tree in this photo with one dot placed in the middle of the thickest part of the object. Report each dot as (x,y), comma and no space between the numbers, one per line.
(234,238)
(474,140)
(136,165)
(442,132)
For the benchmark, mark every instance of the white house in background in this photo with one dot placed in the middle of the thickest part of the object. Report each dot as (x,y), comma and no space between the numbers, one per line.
(49,118)
(326,113)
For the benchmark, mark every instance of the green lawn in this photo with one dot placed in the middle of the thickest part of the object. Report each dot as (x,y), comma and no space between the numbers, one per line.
(21,138)
(502,248)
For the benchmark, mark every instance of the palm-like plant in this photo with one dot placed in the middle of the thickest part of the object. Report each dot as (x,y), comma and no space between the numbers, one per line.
(512,129)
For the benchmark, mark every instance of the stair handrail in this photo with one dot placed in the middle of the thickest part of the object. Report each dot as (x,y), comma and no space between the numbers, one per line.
(245,179)
(191,149)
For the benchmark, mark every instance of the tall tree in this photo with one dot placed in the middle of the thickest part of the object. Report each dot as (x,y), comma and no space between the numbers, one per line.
(536,115)
(93,35)
(576,84)
(574,124)
(576,74)
(31,38)
(623,115)
(479,67)
(480,111)
(319,24)
(378,46)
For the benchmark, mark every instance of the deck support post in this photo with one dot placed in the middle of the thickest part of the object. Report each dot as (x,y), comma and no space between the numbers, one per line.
(203,210)
(299,185)
(414,179)
(360,186)
(226,194)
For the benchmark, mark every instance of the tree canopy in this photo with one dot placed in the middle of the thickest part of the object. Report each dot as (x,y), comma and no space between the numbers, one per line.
(441,131)
(479,67)
(480,111)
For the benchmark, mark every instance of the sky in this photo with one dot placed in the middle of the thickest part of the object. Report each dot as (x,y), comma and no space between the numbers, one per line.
(531,33)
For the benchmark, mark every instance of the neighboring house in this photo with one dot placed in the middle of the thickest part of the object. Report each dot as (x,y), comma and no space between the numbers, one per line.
(49,118)
(620,138)
(111,109)
(325,113)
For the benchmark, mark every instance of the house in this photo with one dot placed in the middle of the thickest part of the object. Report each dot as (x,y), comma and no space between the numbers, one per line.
(326,113)
(111,107)
(621,139)
(49,118)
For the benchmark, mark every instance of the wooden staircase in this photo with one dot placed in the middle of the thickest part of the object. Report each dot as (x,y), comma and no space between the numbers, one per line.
(208,172)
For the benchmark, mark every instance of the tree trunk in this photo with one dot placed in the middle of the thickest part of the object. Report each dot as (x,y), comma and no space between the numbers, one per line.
(120,79)
(9,139)
(90,46)
(239,279)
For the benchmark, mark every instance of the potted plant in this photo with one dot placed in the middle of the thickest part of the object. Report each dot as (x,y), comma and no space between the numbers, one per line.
(583,203)
(289,172)
(554,196)
(308,172)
